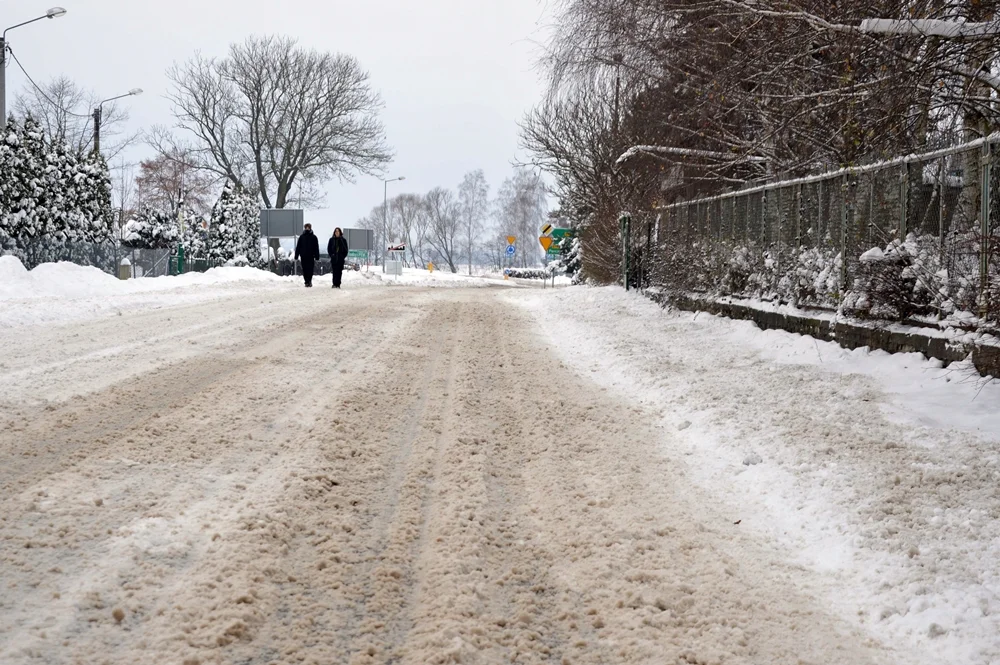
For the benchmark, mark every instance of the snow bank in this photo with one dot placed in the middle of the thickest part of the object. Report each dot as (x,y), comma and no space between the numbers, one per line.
(875,472)
(55,293)
(68,280)
(62,292)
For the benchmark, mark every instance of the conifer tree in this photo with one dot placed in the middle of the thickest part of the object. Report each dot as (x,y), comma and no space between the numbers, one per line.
(234,233)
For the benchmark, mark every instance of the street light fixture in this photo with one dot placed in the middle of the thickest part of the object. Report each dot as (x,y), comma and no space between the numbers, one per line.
(99,111)
(55,12)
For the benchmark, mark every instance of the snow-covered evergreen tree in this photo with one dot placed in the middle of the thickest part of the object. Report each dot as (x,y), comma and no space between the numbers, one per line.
(234,232)
(194,234)
(25,180)
(94,198)
(8,141)
(49,199)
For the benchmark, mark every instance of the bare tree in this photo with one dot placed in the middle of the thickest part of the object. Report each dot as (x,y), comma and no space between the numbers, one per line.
(63,109)
(422,231)
(473,207)
(444,224)
(405,210)
(165,179)
(272,114)
(522,207)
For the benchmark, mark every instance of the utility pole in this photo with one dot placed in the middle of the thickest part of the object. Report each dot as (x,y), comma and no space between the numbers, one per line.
(3,81)
(97,130)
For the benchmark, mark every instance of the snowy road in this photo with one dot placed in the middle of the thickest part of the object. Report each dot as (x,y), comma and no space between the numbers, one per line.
(373,476)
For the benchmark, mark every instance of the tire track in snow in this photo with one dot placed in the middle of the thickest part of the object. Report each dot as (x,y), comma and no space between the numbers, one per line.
(230,402)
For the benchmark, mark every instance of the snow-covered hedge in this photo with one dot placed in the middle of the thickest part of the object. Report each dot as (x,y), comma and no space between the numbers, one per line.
(528,273)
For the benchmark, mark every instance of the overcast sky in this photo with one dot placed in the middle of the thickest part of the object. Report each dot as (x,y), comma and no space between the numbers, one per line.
(456,75)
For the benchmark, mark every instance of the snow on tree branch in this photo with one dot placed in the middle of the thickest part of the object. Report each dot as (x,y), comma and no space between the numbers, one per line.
(658,151)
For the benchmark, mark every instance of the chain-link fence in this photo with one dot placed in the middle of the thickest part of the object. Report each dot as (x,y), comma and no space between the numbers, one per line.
(906,238)
(108,256)
(104,255)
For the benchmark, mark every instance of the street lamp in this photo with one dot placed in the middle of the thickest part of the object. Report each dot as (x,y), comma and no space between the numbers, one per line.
(55,12)
(99,111)
(385,208)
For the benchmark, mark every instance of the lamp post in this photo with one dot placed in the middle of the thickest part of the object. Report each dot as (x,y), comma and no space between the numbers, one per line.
(385,210)
(55,12)
(98,112)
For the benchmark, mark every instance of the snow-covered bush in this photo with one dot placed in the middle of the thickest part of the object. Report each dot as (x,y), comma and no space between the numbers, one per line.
(234,231)
(883,288)
(919,276)
(813,279)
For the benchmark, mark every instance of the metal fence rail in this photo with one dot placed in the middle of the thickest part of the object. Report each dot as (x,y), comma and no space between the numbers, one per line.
(933,216)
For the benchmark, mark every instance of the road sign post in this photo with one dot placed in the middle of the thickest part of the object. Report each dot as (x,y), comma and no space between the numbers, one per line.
(626,230)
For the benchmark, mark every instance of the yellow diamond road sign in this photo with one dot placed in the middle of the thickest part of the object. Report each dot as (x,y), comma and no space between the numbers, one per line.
(547,230)
(546,242)
(511,240)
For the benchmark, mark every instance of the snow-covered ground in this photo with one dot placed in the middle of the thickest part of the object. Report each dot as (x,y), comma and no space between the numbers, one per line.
(878,474)
(62,292)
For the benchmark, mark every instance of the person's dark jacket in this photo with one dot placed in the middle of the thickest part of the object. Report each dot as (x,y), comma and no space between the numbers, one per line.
(307,248)
(337,249)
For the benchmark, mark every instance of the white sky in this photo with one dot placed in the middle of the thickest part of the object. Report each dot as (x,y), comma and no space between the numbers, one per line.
(456,75)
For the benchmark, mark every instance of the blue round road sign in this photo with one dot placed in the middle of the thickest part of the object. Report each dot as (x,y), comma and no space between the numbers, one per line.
(511,250)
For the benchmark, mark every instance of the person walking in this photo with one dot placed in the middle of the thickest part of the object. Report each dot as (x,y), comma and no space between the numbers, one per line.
(337,249)
(307,250)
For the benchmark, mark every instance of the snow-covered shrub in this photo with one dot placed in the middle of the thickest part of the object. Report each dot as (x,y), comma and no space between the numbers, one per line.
(919,276)
(813,279)
(883,288)
(686,266)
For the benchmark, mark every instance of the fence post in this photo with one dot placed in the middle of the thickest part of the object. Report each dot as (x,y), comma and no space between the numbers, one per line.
(797,216)
(941,209)
(845,187)
(820,229)
(626,223)
(904,198)
(984,231)
(778,237)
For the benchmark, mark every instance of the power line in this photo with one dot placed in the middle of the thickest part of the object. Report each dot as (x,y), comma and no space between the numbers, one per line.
(39,89)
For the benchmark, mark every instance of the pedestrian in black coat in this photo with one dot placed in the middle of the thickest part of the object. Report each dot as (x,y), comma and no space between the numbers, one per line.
(337,249)
(307,250)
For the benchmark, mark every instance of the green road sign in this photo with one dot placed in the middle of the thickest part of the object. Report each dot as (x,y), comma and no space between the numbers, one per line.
(357,253)
(564,233)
